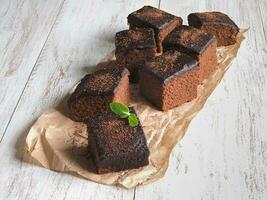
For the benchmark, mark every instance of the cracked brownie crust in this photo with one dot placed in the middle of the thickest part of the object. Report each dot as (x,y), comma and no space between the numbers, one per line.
(116,146)
(97,90)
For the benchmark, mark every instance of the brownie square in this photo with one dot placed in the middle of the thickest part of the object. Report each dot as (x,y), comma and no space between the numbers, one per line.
(169,80)
(133,48)
(97,90)
(216,23)
(149,17)
(197,43)
(115,145)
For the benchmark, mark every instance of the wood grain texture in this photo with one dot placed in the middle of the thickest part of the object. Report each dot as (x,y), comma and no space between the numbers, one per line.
(81,36)
(222,156)
(24,28)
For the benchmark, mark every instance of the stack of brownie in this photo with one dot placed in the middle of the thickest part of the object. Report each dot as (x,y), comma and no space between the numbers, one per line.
(113,144)
(168,60)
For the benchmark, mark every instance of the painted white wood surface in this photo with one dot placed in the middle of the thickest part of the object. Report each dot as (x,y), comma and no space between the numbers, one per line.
(24,28)
(82,35)
(222,156)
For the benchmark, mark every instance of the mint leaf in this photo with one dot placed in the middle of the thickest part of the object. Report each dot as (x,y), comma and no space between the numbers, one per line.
(123,112)
(119,109)
(132,119)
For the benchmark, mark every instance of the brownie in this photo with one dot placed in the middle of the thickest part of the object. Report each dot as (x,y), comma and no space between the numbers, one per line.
(97,90)
(197,43)
(216,23)
(115,145)
(133,48)
(169,80)
(149,17)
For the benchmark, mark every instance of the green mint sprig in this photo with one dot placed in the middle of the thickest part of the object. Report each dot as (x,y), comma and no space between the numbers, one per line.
(123,112)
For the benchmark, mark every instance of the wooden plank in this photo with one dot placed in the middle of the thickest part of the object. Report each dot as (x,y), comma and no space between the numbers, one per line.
(24,28)
(262,5)
(223,155)
(82,35)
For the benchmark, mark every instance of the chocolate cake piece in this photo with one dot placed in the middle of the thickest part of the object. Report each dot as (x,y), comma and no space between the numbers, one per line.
(197,43)
(133,48)
(97,90)
(216,23)
(115,145)
(149,17)
(169,80)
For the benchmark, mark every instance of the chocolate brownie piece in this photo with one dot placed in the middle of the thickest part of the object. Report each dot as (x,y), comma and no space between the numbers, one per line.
(216,23)
(133,48)
(115,145)
(197,43)
(169,80)
(97,90)
(149,17)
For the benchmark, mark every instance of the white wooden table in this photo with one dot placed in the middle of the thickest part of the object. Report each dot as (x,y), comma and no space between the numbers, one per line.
(46,46)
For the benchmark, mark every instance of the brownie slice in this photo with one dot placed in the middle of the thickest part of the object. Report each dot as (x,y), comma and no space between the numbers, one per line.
(133,48)
(115,145)
(216,23)
(149,17)
(197,43)
(97,90)
(169,80)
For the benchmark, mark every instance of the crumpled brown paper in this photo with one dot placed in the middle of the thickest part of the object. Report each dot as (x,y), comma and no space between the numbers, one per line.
(60,144)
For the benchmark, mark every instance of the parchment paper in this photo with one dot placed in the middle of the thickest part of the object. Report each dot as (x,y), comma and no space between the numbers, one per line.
(60,144)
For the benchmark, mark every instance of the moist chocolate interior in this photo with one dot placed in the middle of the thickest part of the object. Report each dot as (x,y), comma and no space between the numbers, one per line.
(207,62)
(170,80)
(188,39)
(180,90)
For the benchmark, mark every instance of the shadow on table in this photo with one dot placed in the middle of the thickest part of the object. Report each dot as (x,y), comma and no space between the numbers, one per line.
(77,154)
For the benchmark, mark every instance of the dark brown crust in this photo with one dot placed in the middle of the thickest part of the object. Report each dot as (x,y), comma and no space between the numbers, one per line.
(133,48)
(216,23)
(92,96)
(197,43)
(214,17)
(102,82)
(134,60)
(115,145)
(149,17)
(170,80)
(170,64)
(140,39)
(188,39)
